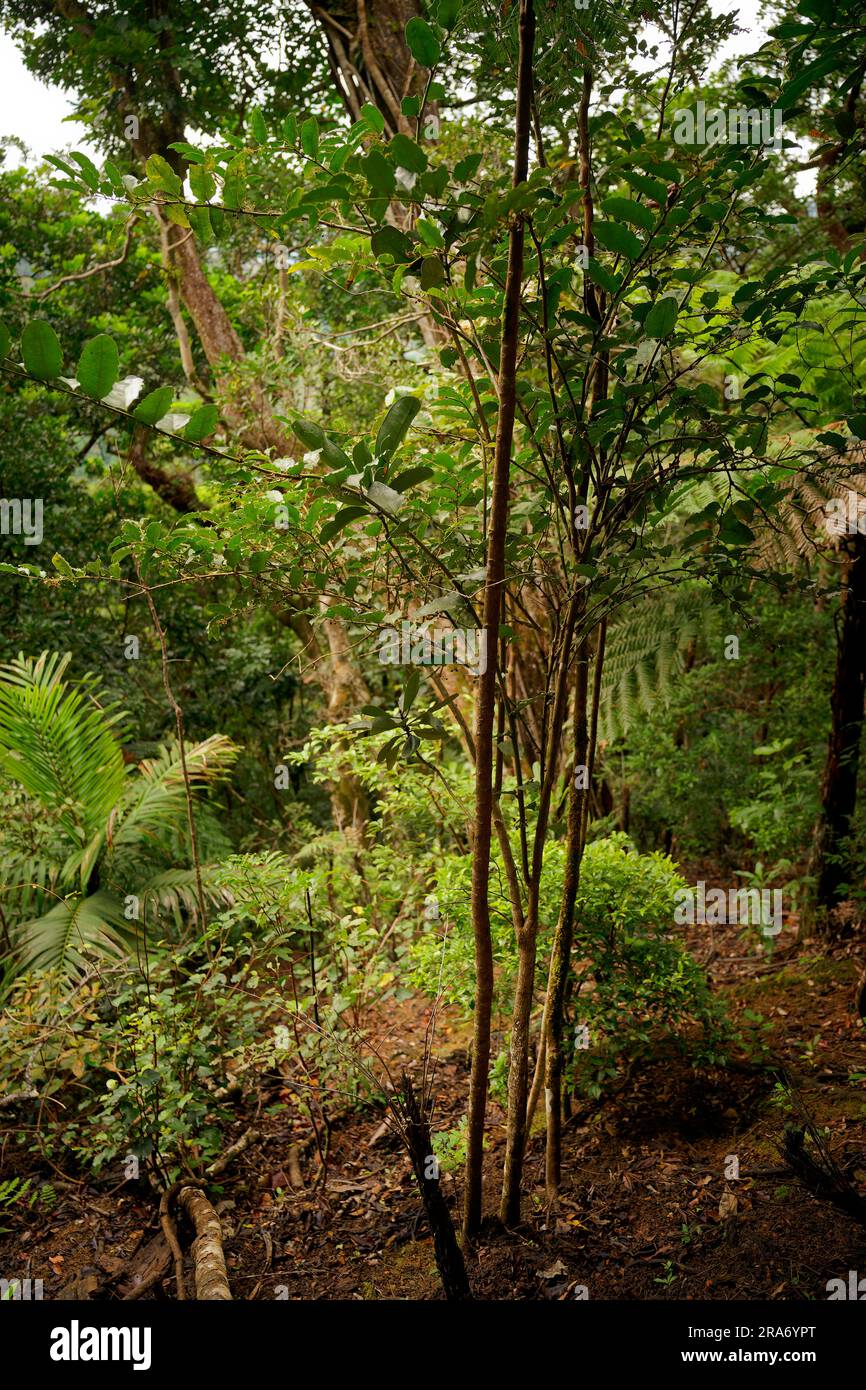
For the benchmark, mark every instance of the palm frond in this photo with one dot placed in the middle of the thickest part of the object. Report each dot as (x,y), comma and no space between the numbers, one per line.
(174,890)
(61,745)
(155,801)
(73,930)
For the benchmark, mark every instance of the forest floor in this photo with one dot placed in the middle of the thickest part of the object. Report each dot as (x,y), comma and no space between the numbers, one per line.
(646,1210)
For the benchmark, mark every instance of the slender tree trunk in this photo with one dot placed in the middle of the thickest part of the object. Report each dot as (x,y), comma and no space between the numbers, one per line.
(493,603)
(828,866)
(527,938)
(560,958)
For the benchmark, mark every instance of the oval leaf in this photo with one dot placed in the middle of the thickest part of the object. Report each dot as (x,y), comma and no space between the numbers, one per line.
(154,405)
(619,239)
(661,318)
(310,137)
(342,519)
(202,423)
(395,425)
(422,42)
(98,366)
(627,210)
(40,348)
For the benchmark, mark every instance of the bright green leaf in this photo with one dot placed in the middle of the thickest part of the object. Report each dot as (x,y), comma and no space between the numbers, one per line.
(40,348)
(98,366)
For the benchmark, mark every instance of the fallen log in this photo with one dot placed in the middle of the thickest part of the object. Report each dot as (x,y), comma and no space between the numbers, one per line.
(220,1164)
(211,1277)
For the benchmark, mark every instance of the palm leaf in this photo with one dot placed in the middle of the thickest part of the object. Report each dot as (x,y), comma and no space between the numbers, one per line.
(155,801)
(75,928)
(62,746)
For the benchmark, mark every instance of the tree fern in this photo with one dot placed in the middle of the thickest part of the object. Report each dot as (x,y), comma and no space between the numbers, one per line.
(645,653)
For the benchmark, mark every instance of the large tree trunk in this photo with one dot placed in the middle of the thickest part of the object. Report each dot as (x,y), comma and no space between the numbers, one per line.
(493,606)
(828,865)
(368,56)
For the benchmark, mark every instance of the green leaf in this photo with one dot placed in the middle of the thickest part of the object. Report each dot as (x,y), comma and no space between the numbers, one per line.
(202,183)
(432,273)
(40,348)
(341,520)
(661,318)
(258,126)
(372,117)
(154,405)
(795,88)
(407,154)
(422,42)
(448,13)
(310,137)
(98,366)
(390,241)
(162,176)
(314,438)
(62,566)
(235,183)
(199,220)
(379,173)
(857,425)
(5,340)
(89,171)
(599,276)
(411,478)
(734,532)
(652,188)
(627,210)
(395,425)
(202,423)
(429,233)
(619,239)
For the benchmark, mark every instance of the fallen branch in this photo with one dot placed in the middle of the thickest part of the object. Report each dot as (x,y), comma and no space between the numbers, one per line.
(296,1177)
(15,1096)
(211,1278)
(220,1164)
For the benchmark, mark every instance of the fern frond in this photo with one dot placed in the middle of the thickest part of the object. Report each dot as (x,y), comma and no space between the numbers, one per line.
(645,654)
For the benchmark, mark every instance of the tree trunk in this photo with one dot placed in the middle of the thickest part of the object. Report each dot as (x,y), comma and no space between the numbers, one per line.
(368,55)
(828,865)
(560,958)
(449,1256)
(493,603)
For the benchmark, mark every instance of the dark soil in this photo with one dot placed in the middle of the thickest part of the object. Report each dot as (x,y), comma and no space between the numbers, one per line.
(646,1209)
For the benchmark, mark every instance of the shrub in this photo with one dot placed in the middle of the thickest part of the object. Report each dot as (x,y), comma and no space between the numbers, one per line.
(633,982)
